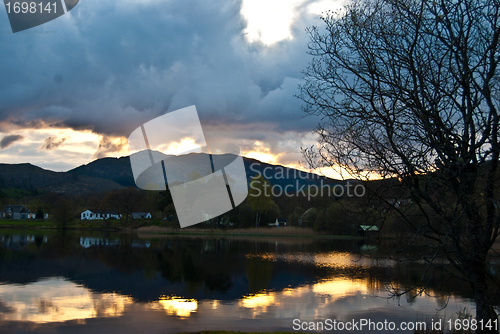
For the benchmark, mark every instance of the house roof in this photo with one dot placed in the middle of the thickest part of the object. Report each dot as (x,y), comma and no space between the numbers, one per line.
(105,212)
(308,214)
(140,213)
(15,209)
(369,228)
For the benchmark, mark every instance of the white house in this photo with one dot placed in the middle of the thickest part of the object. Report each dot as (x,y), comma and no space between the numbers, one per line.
(139,215)
(99,215)
(279,222)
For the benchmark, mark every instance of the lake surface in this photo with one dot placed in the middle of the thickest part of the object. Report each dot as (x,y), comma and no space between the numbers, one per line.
(75,282)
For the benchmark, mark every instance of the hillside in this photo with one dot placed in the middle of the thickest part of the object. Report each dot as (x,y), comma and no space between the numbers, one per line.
(119,170)
(114,169)
(29,177)
(106,174)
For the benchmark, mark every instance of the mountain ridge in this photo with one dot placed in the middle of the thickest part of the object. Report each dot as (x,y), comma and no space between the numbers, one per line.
(106,174)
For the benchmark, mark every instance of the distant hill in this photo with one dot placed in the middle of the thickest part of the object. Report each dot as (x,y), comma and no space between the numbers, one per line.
(107,174)
(119,170)
(114,169)
(29,177)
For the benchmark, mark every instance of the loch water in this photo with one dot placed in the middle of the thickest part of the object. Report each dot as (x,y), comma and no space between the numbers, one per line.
(83,282)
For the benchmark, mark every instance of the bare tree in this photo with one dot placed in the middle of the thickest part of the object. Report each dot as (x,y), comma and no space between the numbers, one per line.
(125,201)
(409,91)
(259,197)
(64,212)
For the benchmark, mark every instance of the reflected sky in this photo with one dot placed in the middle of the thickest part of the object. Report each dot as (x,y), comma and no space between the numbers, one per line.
(59,303)
(57,300)
(193,284)
(332,259)
(179,307)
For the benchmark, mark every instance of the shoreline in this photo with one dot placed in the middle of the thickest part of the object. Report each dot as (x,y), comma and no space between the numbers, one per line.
(157,231)
(287,232)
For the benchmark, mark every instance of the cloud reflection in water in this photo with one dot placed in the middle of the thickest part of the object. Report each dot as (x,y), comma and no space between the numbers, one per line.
(56,300)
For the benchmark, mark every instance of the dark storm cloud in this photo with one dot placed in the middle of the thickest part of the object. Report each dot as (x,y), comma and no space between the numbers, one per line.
(7,141)
(51,143)
(111,66)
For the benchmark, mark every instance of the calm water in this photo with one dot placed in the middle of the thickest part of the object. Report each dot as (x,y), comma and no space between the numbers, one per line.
(105,283)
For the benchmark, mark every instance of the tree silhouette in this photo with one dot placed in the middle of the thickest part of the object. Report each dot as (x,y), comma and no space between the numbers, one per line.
(409,91)
(124,201)
(259,197)
(39,213)
(64,212)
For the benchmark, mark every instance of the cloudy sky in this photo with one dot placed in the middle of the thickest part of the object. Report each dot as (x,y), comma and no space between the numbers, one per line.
(72,90)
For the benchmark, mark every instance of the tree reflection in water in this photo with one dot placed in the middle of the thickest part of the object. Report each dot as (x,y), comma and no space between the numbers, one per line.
(59,277)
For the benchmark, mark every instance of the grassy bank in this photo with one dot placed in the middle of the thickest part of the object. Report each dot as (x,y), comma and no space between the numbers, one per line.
(157,228)
(289,232)
(10,223)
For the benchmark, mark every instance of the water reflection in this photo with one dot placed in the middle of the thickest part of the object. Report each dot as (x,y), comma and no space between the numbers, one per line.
(259,302)
(64,282)
(333,259)
(105,242)
(57,300)
(176,306)
(344,298)
(18,242)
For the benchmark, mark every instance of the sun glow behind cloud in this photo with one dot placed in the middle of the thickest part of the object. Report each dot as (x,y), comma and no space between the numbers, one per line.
(60,149)
(185,145)
(261,156)
(72,148)
(270,21)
